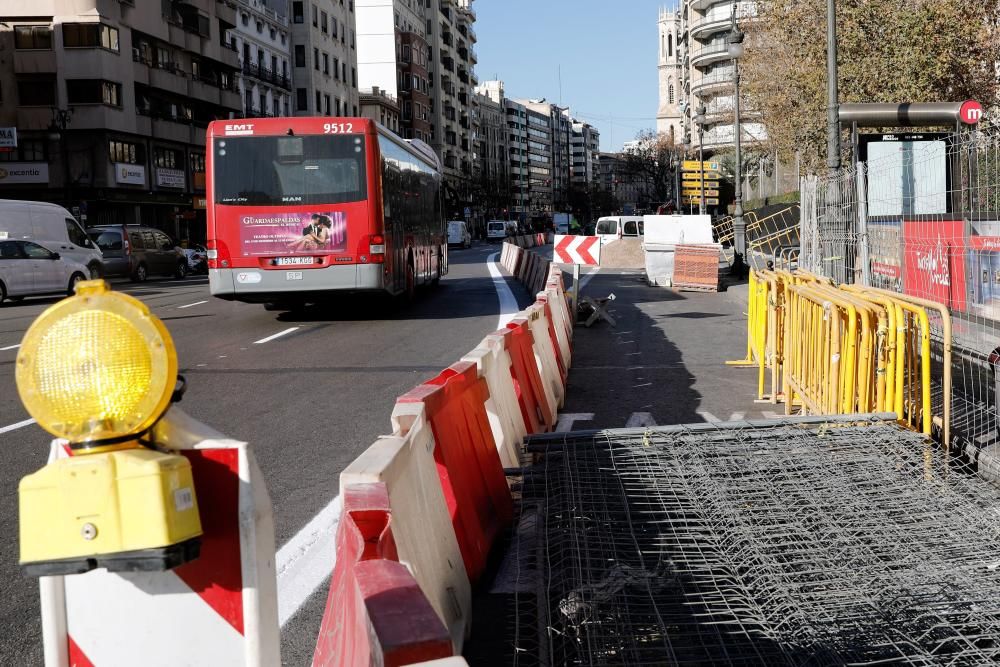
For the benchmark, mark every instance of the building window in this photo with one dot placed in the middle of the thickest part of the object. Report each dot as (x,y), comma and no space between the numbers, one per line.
(197,163)
(36,91)
(319,106)
(324,22)
(338,106)
(326,64)
(167,158)
(298,13)
(343,72)
(274,34)
(336,68)
(316,59)
(275,107)
(326,104)
(28,150)
(354,77)
(334,26)
(90,35)
(33,37)
(352,39)
(315,15)
(126,151)
(260,27)
(300,99)
(670,94)
(300,55)
(670,46)
(93,91)
(407,110)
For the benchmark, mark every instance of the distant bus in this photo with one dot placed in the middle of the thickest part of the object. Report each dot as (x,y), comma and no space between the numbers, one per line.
(305,208)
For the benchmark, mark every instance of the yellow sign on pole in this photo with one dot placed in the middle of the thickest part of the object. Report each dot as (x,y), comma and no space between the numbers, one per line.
(695,165)
(697,193)
(687,183)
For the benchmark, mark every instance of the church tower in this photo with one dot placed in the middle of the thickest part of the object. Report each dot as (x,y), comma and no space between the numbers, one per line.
(669,117)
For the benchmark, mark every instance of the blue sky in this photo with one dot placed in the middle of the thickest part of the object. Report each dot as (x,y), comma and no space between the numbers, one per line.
(607,51)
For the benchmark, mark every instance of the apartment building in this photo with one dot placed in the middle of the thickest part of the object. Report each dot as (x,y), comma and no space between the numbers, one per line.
(264,41)
(586,145)
(490,158)
(531,141)
(324,57)
(110,100)
(381,107)
(452,38)
(393,58)
(695,69)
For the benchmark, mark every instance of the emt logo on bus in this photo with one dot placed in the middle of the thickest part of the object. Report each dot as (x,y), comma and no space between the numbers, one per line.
(237,129)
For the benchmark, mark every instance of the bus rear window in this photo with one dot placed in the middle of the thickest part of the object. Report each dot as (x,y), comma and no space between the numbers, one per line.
(287,171)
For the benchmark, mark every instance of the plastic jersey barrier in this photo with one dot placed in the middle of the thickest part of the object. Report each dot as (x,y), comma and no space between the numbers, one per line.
(538,412)
(545,354)
(376,612)
(557,331)
(494,365)
(472,477)
(422,528)
(221,609)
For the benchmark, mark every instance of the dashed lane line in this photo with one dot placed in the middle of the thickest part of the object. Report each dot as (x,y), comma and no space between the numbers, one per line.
(191,305)
(277,335)
(14,427)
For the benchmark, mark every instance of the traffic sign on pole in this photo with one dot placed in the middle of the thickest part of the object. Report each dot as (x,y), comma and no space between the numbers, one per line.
(577,250)
(696,166)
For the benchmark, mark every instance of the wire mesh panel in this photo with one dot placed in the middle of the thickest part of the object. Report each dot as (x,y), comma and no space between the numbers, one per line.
(781,544)
(920,215)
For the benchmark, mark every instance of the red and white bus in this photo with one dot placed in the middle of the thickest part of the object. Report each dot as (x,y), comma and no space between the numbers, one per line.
(305,208)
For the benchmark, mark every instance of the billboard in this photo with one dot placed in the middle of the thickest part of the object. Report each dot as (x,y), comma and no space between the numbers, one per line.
(293,233)
(907,173)
(934,259)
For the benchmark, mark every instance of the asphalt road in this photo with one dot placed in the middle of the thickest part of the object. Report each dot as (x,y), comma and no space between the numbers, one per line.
(309,401)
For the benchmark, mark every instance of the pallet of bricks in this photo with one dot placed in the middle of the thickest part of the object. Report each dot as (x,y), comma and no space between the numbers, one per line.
(696,267)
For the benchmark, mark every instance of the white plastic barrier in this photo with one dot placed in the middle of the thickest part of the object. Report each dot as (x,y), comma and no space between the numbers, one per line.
(421,524)
(557,307)
(220,609)
(493,363)
(545,354)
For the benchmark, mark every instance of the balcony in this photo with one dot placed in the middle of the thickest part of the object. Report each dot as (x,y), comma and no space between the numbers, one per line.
(715,82)
(463,75)
(35,62)
(447,38)
(717,20)
(711,54)
(169,77)
(250,112)
(448,63)
(255,71)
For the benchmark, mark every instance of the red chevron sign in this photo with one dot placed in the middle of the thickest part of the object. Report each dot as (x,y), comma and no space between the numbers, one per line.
(577,250)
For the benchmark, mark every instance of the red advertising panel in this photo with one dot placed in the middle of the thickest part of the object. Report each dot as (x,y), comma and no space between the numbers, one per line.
(934,261)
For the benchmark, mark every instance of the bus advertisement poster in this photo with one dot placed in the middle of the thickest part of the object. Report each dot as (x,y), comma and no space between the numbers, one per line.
(293,233)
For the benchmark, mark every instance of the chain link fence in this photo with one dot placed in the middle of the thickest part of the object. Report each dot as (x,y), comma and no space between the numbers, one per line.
(922,218)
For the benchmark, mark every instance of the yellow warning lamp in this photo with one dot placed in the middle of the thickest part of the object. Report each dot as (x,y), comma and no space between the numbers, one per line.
(99,370)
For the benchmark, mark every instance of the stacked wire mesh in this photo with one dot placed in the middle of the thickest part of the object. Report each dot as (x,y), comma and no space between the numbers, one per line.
(782,544)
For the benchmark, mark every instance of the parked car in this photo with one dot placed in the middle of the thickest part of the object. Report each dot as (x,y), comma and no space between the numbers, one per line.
(458,234)
(614,227)
(496,230)
(142,252)
(30,269)
(53,227)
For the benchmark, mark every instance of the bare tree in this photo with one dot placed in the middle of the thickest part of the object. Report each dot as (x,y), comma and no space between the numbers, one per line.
(651,163)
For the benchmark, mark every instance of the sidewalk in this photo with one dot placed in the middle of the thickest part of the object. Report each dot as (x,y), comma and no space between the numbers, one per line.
(664,362)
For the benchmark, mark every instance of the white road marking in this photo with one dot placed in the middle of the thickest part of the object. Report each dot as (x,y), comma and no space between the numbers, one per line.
(637,419)
(10,347)
(14,427)
(306,561)
(566,420)
(508,304)
(196,303)
(277,335)
(708,416)
(586,278)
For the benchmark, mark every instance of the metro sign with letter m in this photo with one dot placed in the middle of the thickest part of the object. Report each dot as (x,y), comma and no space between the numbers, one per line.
(577,250)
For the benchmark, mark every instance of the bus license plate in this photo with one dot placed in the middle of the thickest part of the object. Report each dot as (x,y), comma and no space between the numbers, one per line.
(285,261)
(293,275)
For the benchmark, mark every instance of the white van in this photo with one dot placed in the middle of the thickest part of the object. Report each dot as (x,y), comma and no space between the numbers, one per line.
(614,227)
(458,234)
(52,226)
(496,230)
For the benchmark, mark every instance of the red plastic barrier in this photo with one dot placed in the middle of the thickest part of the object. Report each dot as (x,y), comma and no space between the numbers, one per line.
(469,467)
(538,415)
(375,612)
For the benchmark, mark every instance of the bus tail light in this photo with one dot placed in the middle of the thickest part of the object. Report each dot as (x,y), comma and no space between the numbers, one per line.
(217,258)
(376,249)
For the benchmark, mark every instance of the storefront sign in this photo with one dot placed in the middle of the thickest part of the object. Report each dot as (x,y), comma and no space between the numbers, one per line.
(130,174)
(8,138)
(199,203)
(23,172)
(170,178)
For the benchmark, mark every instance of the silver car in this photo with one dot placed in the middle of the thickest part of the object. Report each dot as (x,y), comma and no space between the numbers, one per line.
(30,269)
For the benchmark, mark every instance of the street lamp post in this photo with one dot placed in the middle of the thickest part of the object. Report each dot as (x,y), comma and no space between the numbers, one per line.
(735,41)
(675,162)
(687,148)
(699,120)
(57,132)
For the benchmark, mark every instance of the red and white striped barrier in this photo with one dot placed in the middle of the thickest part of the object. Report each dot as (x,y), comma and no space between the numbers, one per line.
(220,609)
(545,353)
(376,613)
(494,365)
(424,536)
